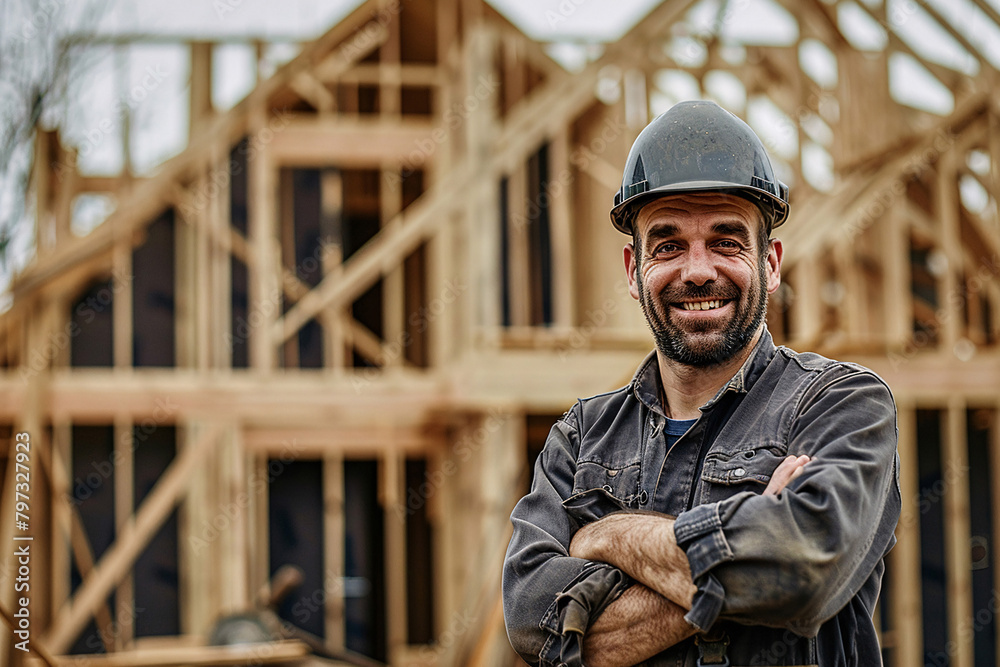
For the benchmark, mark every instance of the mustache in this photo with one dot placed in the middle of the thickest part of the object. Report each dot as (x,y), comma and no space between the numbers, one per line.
(676,293)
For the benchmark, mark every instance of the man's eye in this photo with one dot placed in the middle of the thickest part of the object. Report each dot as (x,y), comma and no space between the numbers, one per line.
(667,247)
(727,244)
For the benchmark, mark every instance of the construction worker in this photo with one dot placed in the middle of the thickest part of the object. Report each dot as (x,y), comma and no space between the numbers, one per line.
(732,505)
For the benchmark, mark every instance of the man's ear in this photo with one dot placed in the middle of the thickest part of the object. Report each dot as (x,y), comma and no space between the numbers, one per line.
(630,264)
(774,254)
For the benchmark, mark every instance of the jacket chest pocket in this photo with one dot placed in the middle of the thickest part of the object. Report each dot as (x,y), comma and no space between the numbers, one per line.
(726,474)
(600,489)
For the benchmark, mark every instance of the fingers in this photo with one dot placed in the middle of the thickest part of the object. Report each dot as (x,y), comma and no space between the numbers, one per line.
(787,470)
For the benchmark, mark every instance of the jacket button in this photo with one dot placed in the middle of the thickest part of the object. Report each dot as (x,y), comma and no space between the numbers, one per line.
(607,487)
(643,497)
(739,472)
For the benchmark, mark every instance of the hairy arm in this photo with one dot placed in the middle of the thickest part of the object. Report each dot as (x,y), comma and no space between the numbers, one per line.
(633,628)
(643,545)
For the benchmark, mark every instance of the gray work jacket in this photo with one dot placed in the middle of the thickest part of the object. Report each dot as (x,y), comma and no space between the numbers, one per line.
(791,579)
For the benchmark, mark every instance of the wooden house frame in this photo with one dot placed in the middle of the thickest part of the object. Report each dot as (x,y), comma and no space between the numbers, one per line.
(392,260)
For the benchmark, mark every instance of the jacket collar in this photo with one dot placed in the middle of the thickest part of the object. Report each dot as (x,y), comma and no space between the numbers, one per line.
(646,384)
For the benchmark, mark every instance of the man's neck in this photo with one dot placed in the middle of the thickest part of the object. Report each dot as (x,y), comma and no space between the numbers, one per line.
(687,388)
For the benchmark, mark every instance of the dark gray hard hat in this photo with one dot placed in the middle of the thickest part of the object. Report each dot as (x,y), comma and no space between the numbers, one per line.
(698,146)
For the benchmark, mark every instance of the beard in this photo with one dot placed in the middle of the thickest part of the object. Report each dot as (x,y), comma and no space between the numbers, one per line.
(706,344)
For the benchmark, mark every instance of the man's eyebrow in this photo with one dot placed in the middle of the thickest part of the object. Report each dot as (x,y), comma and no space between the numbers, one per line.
(663,230)
(737,229)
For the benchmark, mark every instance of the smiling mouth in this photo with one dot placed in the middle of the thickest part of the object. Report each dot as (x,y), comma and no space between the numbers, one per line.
(701,305)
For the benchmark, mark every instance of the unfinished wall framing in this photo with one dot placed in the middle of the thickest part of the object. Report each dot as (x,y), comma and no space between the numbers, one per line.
(408,272)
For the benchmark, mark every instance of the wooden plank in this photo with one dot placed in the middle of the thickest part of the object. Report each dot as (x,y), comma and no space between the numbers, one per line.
(392,492)
(311,89)
(245,654)
(320,442)
(806,309)
(62,512)
(265,298)
(950,317)
(121,314)
(186,280)
(905,596)
(120,556)
(389,54)
(477,263)
(236,593)
(518,271)
(124,503)
(897,297)
(332,189)
(409,74)
(955,452)
(393,296)
(564,244)
(359,143)
(200,96)
(333,549)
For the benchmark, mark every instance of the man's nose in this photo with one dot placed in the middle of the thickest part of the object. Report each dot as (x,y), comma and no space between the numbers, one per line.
(698,267)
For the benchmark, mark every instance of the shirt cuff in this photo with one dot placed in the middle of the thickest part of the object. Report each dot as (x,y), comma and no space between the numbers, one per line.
(575,609)
(698,532)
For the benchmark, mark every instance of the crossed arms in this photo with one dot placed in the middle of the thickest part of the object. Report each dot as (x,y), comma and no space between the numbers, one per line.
(623,581)
(649,616)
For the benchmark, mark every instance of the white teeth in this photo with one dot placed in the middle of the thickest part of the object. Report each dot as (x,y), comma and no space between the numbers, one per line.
(702,305)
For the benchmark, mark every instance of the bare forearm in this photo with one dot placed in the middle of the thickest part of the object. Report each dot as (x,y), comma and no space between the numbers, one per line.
(636,626)
(642,546)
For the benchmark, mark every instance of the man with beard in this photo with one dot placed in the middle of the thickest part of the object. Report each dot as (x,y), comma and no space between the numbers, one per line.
(732,505)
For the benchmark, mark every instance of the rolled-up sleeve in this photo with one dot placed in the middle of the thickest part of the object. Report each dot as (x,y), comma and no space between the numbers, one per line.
(794,560)
(550,598)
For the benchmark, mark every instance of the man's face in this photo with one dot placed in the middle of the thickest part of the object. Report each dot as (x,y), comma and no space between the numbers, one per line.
(699,275)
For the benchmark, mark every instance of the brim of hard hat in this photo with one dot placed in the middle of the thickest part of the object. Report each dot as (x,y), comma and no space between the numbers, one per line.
(752,194)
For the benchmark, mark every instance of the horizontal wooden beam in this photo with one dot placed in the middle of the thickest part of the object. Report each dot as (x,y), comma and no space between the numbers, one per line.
(154,397)
(325,141)
(264,653)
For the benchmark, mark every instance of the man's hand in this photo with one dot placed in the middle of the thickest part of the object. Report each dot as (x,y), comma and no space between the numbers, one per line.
(787,470)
